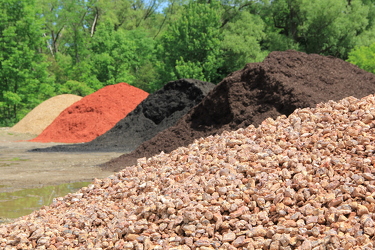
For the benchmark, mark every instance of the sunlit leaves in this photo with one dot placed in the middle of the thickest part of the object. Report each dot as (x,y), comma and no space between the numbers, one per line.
(364,57)
(191,45)
(118,55)
(241,41)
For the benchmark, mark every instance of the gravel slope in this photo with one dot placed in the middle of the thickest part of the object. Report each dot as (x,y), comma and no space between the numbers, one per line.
(302,182)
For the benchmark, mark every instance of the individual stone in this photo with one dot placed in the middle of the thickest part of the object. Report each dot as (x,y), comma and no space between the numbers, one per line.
(362,210)
(131,237)
(228,237)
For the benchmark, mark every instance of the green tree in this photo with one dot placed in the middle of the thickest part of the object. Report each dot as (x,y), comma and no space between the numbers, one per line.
(100,42)
(54,23)
(367,37)
(23,76)
(330,27)
(59,16)
(363,57)
(233,8)
(67,27)
(76,88)
(241,39)
(316,26)
(109,55)
(77,31)
(124,14)
(280,25)
(190,48)
(118,56)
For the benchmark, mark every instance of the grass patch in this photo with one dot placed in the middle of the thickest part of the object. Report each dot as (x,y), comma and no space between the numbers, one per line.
(6,162)
(18,159)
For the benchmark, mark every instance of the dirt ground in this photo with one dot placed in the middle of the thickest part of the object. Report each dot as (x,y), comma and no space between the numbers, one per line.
(20,169)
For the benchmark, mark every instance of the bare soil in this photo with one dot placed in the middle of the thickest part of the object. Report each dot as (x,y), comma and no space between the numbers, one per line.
(20,169)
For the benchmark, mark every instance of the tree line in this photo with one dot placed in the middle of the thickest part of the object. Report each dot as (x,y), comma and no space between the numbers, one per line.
(51,47)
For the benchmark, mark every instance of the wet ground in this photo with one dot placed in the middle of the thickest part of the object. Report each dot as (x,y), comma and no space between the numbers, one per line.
(24,175)
(23,202)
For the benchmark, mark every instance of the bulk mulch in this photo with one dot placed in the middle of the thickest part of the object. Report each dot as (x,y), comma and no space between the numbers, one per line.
(305,182)
(277,86)
(93,115)
(43,115)
(154,114)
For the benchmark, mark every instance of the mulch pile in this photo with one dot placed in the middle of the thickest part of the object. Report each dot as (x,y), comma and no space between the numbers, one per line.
(43,115)
(283,82)
(93,115)
(157,112)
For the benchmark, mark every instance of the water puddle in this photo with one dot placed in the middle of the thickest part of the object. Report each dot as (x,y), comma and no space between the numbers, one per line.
(23,202)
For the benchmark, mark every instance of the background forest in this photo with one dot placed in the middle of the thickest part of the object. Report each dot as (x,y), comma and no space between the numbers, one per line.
(51,47)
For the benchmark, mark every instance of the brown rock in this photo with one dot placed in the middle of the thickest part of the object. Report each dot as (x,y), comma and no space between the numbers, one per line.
(228,237)
(362,210)
(131,237)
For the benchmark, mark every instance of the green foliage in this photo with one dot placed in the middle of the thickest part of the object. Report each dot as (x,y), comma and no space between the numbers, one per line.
(146,77)
(317,26)
(367,36)
(22,68)
(210,40)
(330,27)
(279,21)
(191,45)
(117,56)
(76,88)
(241,41)
(274,41)
(189,69)
(363,57)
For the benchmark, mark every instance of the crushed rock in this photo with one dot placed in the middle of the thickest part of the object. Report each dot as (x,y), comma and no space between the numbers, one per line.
(306,181)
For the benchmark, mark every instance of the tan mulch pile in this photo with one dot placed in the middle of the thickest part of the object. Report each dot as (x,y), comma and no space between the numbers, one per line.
(44,114)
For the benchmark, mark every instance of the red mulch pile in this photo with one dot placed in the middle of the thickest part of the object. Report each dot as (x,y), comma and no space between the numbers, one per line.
(93,115)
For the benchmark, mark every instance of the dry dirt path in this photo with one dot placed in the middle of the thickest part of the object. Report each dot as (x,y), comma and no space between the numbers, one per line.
(20,169)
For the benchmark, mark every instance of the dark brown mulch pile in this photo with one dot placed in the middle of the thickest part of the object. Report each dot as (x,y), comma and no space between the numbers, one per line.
(283,82)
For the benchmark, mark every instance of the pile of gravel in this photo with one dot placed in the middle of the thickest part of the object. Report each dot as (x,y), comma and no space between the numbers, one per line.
(302,182)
